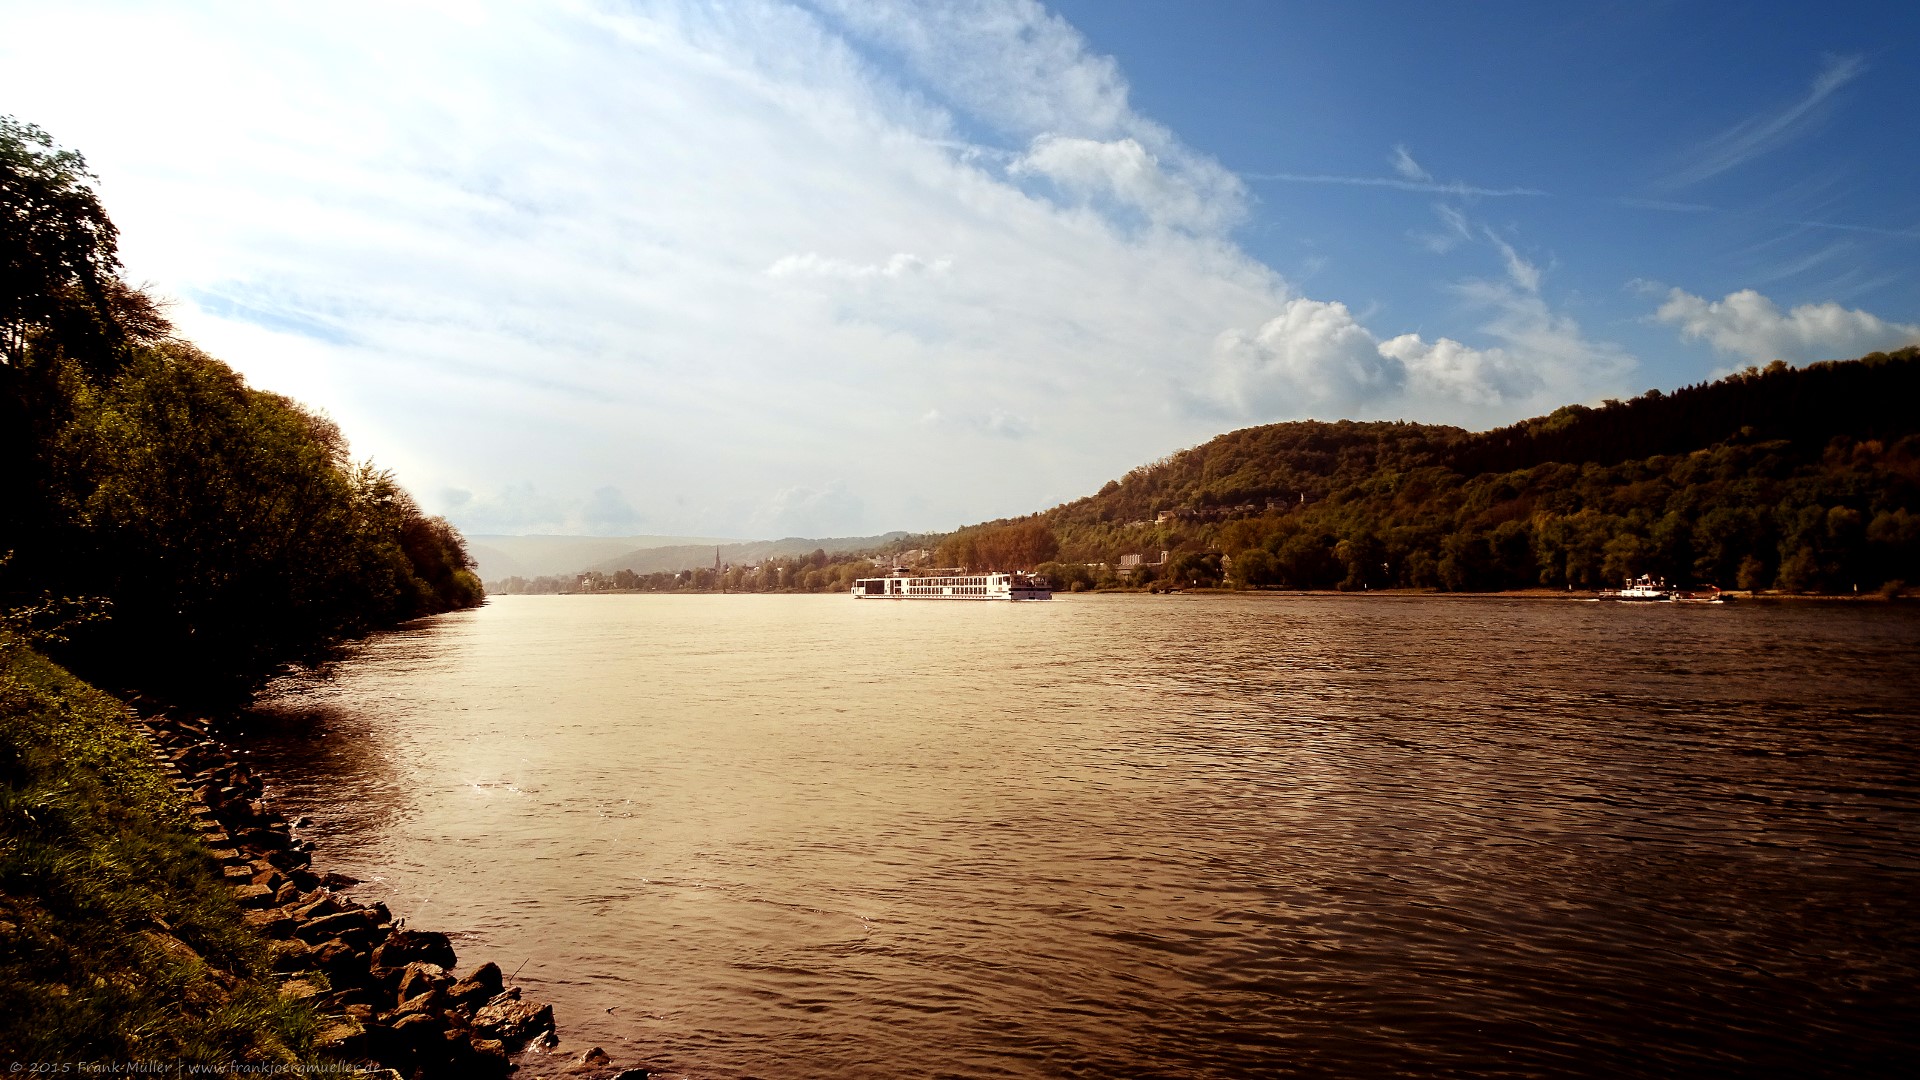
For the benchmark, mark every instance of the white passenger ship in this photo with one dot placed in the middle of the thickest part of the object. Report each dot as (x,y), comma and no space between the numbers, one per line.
(954,584)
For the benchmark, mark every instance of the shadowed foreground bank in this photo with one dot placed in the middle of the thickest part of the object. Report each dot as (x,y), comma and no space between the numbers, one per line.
(119,939)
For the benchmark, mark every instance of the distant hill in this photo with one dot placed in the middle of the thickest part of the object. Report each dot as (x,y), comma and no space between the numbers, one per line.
(532,556)
(669,559)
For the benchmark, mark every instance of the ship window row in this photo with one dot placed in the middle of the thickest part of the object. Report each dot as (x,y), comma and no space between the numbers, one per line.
(988,580)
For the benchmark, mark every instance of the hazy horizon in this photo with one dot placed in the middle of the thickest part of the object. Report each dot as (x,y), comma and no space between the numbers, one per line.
(833,268)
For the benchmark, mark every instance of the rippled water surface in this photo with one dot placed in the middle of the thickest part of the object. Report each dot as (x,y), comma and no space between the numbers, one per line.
(796,836)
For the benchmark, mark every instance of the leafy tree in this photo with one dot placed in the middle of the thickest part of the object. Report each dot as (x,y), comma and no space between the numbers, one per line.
(221,531)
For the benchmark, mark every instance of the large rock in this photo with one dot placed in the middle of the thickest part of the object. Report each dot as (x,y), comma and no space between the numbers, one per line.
(290,955)
(355,926)
(485,1059)
(404,947)
(263,839)
(253,896)
(269,922)
(421,1030)
(589,1060)
(345,965)
(481,986)
(418,978)
(315,904)
(513,1022)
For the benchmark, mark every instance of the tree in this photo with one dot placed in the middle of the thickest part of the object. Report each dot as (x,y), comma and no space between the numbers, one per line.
(60,288)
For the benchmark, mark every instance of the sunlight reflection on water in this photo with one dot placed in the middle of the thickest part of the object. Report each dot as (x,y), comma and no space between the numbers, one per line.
(1186,836)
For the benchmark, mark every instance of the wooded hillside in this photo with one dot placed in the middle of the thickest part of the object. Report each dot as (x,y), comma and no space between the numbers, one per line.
(1790,478)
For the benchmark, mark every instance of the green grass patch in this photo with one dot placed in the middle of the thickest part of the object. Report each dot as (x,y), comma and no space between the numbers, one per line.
(118,939)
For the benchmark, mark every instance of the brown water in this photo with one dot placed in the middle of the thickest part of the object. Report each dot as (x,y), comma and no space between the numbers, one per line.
(799,836)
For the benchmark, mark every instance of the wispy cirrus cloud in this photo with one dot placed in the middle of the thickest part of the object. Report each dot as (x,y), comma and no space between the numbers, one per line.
(1765,132)
(1409,169)
(1431,187)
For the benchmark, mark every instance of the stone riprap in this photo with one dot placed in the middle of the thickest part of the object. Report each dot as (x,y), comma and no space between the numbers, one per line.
(387,995)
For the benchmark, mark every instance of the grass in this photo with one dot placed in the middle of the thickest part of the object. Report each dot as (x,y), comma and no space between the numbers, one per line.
(119,942)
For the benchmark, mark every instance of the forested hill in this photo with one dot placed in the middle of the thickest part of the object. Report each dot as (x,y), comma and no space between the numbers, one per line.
(1873,398)
(1789,478)
(1278,462)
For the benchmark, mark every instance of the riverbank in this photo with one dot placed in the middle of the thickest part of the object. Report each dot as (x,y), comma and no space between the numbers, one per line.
(243,953)
(119,939)
(1584,595)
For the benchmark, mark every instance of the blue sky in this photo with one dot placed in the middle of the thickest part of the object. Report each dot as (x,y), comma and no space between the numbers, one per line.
(827,267)
(1673,144)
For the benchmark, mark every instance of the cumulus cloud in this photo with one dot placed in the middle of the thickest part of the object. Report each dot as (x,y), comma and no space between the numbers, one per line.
(1750,326)
(1313,354)
(1316,356)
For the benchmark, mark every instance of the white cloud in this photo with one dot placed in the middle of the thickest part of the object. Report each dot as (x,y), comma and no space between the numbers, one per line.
(677,263)
(999,423)
(1768,131)
(813,511)
(1750,326)
(1315,356)
(1448,187)
(1523,273)
(1010,64)
(901,264)
(1312,355)
(1408,168)
(1454,232)
(1128,174)
(1026,72)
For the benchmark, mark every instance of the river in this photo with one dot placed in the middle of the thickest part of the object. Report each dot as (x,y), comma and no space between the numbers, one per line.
(1186,836)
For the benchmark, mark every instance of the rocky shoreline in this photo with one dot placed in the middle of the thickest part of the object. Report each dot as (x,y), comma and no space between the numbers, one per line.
(386,994)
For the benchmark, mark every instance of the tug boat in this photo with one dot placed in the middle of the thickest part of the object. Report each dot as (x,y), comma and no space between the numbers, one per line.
(953,584)
(1645,589)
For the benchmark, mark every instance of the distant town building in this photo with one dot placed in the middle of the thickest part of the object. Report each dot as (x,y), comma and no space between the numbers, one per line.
(1130,563)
